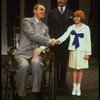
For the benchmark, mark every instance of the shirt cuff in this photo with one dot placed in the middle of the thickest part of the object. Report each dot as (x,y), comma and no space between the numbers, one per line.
(49,41)
(59,41)
(43,48)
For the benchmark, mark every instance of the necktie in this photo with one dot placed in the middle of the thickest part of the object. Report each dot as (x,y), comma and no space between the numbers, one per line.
(61,9)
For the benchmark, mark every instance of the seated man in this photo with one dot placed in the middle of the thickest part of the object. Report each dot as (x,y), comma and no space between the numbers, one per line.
(33,40)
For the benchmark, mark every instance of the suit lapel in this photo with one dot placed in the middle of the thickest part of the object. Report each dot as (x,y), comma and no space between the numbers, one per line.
(65,16)
(33,20)
(57,14)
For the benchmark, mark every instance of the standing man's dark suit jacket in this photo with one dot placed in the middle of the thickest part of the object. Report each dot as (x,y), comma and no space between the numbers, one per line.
(58,24)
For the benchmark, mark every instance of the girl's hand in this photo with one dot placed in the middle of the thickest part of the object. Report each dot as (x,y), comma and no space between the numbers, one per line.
(86,57)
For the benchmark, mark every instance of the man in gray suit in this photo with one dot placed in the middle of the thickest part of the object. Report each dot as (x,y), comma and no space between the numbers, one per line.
(33,40)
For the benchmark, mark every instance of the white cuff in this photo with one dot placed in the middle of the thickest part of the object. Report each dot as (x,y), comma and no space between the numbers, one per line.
(43,47)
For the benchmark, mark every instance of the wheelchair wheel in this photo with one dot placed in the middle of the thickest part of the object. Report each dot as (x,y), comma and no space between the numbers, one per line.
(52,82)
(4,79)
(4,76)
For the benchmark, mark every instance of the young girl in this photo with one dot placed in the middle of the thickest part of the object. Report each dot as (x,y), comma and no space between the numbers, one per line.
(80,49)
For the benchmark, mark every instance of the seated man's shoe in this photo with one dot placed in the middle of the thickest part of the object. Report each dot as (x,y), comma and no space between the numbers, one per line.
(17,97)
(38,96)
(58,84)
(64,85)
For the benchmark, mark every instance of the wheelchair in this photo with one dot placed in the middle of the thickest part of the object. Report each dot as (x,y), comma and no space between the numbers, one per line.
(9,73)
